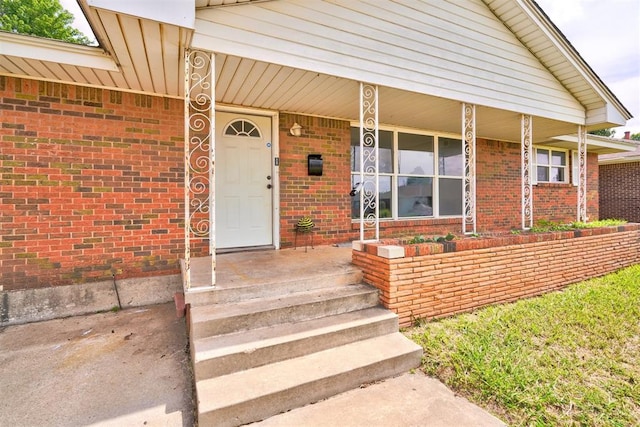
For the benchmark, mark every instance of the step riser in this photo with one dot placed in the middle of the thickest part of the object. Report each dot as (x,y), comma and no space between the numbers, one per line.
(273,404)
(222,295)
(296,313)
(262,356)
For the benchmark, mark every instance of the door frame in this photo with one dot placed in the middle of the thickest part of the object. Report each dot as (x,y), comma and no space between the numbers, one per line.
(275,153)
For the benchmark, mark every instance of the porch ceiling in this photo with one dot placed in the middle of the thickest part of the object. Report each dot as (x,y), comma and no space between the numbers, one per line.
(249,83)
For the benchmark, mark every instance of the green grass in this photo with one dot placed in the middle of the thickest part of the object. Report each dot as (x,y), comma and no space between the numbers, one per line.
(565,358)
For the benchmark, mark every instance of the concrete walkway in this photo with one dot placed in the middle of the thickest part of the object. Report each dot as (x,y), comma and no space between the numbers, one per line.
(131,368)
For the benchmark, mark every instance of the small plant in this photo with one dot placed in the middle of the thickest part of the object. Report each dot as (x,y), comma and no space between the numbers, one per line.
(545,226)
(600,223)
(419,239)
(515,231)
(418,321)
(475,235)
(449,237)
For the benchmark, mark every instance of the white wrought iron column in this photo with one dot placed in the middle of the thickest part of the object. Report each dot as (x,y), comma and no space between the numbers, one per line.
(369,162)
(469,183)
(526,128)
(582,174)
(199,158)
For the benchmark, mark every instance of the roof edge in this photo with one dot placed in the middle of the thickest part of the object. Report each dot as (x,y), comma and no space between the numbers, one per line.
(544,21)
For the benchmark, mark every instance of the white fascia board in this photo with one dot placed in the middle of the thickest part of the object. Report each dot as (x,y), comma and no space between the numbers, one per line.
(42,49)
(617,160)
(612,144)
(181,13)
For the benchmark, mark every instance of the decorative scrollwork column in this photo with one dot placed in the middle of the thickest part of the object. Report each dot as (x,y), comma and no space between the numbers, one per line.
(526,126)
(199,156)
(369,161)
(469,185)
(582,174)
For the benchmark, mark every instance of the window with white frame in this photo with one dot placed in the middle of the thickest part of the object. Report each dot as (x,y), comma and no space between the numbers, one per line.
(420,174)
(551,165)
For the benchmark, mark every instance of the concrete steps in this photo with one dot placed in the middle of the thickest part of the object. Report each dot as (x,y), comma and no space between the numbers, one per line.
(283,349)
(254,394)
(224,354)
(219,319)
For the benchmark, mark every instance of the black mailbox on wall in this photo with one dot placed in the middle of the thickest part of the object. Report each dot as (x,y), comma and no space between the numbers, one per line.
(315,164)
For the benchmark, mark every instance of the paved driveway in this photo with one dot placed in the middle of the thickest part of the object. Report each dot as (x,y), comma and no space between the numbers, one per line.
(118,369)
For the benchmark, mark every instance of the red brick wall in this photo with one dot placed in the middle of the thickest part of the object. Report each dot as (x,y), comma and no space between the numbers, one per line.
(558,202)
(442,284)
(325,198)
(90,184)
(499,190)
(498,186)
(620,191)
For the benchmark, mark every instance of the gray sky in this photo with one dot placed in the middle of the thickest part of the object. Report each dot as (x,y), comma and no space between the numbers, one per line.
(605,33)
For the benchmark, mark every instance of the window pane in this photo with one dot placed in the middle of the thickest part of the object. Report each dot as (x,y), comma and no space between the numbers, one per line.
(415,154)
(543,174)
(450,196)
(415,196)
(450,157)
(558,158)
(557,174)
(542,157)
(385,192)
(385,151)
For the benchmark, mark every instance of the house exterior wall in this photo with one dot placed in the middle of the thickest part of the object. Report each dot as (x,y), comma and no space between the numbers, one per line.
(91,185)
(620,191)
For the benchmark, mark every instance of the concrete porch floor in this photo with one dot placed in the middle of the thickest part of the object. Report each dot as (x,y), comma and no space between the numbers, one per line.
(251,268)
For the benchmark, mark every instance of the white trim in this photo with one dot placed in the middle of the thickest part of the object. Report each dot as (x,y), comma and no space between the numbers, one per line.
(42,49)
(176,12)
(275,152)
(575,168)
(549,165)
(395,174)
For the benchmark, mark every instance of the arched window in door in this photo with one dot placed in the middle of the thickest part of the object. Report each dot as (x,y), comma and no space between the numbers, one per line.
(242,127)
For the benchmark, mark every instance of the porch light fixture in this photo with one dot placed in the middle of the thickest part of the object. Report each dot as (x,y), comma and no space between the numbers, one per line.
(296,130)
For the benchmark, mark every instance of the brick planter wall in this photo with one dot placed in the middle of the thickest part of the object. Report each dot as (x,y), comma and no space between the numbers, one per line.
(433,280)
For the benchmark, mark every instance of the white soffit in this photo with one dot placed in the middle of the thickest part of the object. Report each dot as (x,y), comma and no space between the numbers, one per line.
(245,82)
(149,53)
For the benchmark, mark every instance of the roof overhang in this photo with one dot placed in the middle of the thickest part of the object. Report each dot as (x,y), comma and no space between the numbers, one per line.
(142,50)
(595,144)
(35,52)
(534,29)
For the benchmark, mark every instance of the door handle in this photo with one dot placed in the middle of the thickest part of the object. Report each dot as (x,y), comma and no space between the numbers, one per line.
(269,186)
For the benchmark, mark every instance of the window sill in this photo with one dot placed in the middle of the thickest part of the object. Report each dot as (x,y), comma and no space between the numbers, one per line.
(408,222)
(552,184)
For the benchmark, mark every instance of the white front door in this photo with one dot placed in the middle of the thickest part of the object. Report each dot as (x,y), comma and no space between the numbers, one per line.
(244,181)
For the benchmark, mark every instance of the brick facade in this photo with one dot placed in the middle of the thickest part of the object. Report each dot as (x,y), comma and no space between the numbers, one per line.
(448,280)
(91,185)
(620,191)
